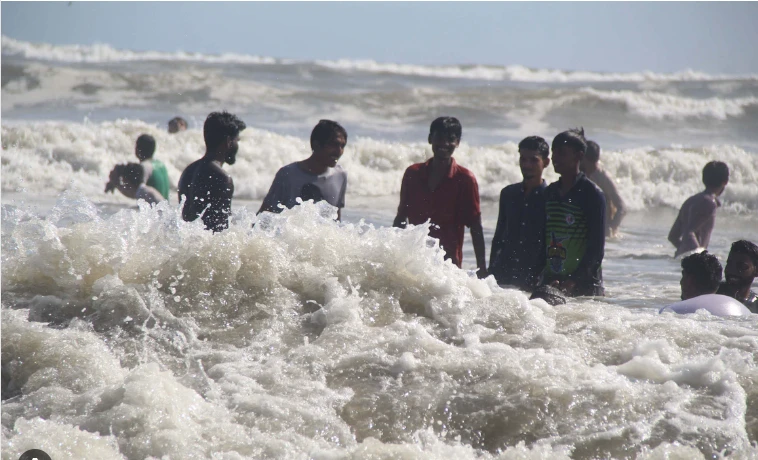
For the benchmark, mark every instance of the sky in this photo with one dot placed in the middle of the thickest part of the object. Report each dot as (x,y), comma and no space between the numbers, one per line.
(716,37)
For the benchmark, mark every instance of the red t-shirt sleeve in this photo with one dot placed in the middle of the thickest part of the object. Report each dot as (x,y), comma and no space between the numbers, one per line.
(468,204)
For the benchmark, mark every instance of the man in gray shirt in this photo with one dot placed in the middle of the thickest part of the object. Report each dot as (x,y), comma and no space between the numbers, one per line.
(316,178)
(694,224)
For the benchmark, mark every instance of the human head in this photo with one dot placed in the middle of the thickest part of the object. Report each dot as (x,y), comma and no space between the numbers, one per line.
(701,274)
(131,174)
(328,140)
(177,124)
(445,136)
(549,294)
(568,151)
(534,156)
(221,132)
(716,176)
(591,156)
(742,264)
(144,147)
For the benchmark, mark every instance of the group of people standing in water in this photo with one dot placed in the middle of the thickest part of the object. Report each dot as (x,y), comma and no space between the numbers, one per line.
(549,239)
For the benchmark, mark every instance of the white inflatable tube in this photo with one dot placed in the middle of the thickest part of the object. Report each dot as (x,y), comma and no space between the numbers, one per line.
(716,304)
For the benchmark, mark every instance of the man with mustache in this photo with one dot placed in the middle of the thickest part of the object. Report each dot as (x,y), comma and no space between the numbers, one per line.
(316,178)
(208,188)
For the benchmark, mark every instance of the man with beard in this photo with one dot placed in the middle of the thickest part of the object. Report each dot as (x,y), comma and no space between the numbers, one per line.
(208,188)
(740,272)
(316,178)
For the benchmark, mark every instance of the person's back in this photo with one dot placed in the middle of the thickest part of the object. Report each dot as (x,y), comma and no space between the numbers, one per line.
(694,223)
(575,222)
(156,175)
(207,187)
(518,246)
(316,178)
(210,195)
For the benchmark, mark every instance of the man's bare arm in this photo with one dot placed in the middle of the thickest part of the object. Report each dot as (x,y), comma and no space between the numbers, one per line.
(477,238)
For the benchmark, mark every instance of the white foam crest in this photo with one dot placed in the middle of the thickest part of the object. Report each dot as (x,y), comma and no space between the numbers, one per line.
(102,53)
(404,352)
(46,158)
(659,106)
(521,73)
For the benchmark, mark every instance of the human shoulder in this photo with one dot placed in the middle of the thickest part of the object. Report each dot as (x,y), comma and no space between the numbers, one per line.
(511,190)
(464,173)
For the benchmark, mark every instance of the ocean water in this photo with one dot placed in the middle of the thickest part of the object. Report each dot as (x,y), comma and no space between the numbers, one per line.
(128,333)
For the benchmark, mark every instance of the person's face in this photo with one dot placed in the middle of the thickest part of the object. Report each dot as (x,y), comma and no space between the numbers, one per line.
(688,287)
(443,144)
(330,152)
(565,159)
(532,163)
(232,146)
(739,269)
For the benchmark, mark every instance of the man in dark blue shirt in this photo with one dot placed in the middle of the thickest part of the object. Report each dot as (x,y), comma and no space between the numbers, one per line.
(517,256)
(575,226)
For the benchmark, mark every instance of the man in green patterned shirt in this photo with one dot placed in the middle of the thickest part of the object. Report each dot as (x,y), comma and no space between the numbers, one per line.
(575,222)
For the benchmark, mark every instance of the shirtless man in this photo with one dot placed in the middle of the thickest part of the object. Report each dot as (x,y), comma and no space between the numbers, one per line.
(316,178)
(615,210)
(208,188)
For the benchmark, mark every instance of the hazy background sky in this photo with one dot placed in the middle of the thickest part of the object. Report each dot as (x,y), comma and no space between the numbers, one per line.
(622,37)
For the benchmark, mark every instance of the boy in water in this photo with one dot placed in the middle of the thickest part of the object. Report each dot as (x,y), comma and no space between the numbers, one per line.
(694,224)
(739,274)
(614,205)
(445,193)
(517,255)
(154,171)
(701,274)
(208,188)
(176,125)
(316,178)
(575,225)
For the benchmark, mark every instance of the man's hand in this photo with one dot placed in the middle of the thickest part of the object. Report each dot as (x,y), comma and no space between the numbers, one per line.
(481,273)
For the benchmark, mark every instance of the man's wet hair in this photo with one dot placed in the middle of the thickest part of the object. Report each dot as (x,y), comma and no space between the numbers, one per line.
(705,270)
(715,173)
(219,126)
(535,143)
(173,124)
(447,125)
(747,248)
(593,152)
(573,138)
(131,173)
(549,294)
(324,131)
(145,146)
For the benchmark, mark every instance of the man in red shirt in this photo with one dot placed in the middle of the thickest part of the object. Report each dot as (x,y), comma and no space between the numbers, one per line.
(444,193)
